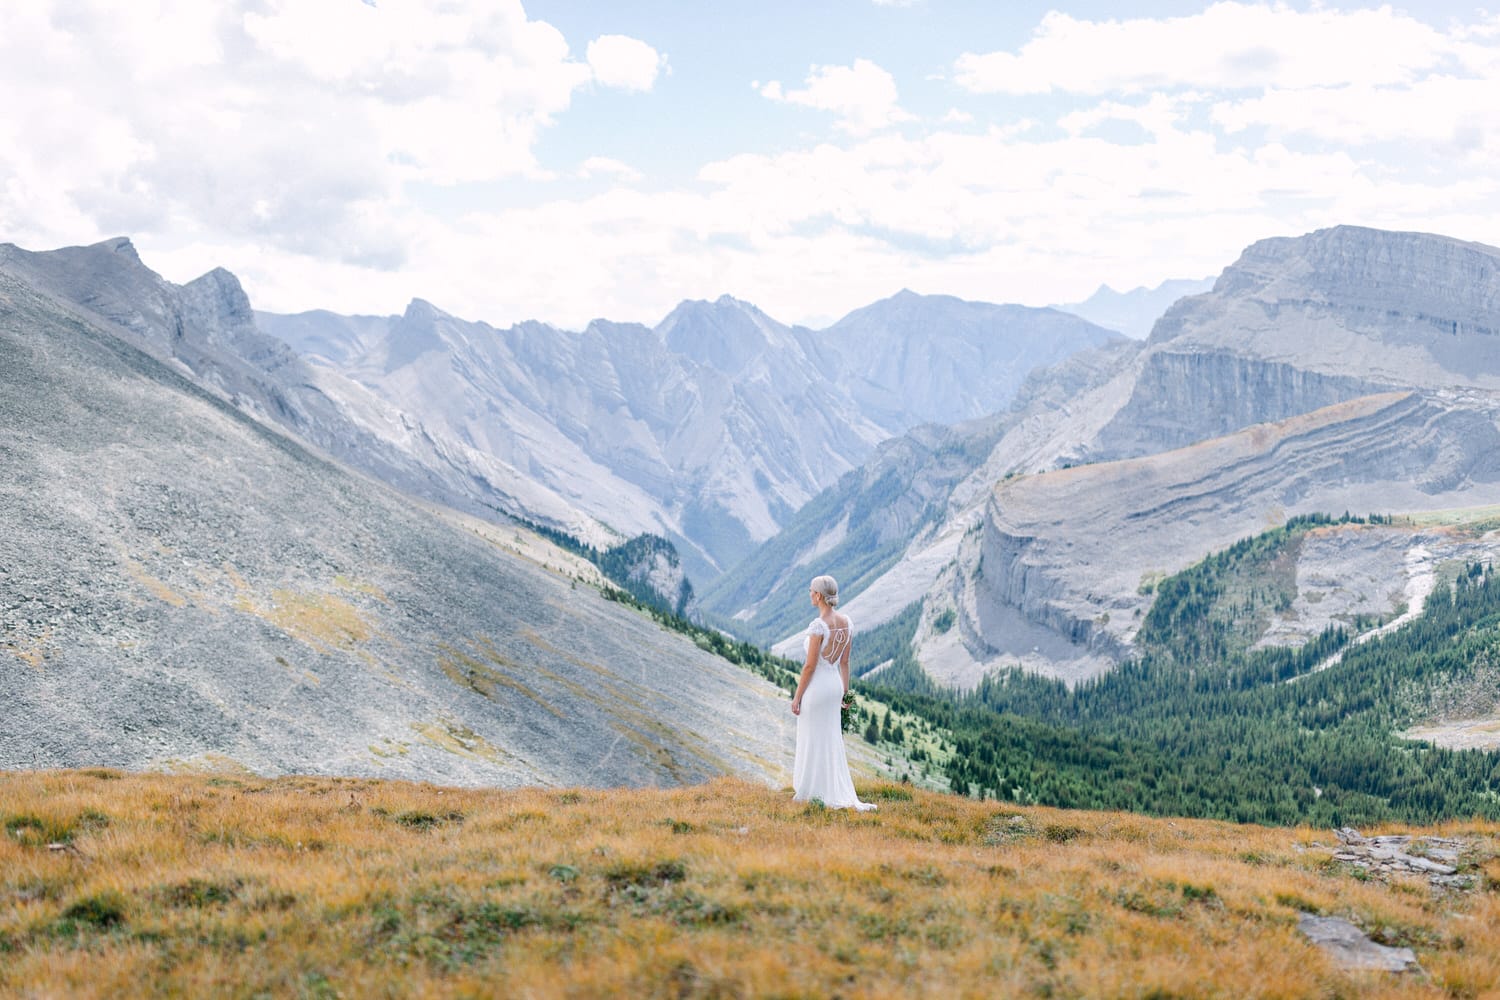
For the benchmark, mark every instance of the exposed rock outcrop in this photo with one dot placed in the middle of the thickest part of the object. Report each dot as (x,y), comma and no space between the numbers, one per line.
(1068,551)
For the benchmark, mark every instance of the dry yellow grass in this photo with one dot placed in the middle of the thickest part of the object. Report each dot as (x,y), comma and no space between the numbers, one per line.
(240,886)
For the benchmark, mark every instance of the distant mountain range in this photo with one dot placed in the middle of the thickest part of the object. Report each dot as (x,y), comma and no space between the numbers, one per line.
(183,585)
(1015,479)
(1349,369)
(1135,312)
(711,429)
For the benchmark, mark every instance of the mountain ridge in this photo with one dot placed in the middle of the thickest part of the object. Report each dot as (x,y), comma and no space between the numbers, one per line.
(1269,342)
(183,585)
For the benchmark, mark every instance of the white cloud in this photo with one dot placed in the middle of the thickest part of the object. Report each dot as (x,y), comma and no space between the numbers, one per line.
(295,127)
(862,96)
(309,148)
(627,63)
(1229,45)
(604,166)
(1453,116)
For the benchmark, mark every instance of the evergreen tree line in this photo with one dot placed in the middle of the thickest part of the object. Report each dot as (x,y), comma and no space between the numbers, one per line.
(618,562)
(1201,725)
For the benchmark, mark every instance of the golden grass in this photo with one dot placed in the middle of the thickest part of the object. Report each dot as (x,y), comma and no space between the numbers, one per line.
(241,886)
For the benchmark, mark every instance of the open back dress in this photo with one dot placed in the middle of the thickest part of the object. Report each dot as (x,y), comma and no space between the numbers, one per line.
(821,770)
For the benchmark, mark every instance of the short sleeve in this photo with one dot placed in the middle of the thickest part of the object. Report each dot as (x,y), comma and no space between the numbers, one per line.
(818,628)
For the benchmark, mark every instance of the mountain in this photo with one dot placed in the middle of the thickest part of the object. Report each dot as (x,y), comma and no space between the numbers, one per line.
(1057,578)
(184,586)
(1334,319)
(913,359)
(1135,312)
(885,530)
(207,330)
(712,428)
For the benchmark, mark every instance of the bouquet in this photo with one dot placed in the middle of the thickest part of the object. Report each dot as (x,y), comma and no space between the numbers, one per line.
(846,711)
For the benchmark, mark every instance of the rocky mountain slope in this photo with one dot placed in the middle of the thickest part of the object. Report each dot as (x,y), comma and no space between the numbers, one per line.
(1057,576)
(711,428)
(1340,316)
(207,330)
(181,585)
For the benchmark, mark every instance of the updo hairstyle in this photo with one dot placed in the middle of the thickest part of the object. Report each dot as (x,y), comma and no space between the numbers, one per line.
(828,587)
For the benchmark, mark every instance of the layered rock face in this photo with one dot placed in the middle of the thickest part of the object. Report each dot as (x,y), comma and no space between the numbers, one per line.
(1324,326)
(1296,326)
(1068,552)
(1400,308)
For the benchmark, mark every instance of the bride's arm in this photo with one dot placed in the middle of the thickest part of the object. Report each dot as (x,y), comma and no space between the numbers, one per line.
(813,646)
(844,664)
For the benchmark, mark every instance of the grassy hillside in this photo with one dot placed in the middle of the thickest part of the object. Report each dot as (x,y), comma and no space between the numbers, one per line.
(114,884)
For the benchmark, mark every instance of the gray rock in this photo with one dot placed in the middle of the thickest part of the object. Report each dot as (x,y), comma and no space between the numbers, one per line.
(1425,865)
(1348,946)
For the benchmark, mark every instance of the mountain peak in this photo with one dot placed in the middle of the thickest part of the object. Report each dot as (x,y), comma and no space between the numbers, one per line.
(421,310)
(1377,268)
(120,245)
(725,334)
(221,293)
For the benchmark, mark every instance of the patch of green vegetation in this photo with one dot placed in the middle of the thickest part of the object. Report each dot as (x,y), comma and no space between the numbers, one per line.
(39,831)
(417,819)
(1203,725)
(884,642)
(99,911)
(202,893)
(449,931)
(623,564)
(624,874)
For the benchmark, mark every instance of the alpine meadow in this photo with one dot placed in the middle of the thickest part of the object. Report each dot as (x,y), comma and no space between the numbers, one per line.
(889,498)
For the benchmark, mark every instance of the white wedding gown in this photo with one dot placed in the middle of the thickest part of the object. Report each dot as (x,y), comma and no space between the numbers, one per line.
(821,770)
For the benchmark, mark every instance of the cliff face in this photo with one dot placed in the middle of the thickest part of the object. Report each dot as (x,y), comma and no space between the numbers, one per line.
(1067,553)
(1404,308)
(1294,327)
(1182,396)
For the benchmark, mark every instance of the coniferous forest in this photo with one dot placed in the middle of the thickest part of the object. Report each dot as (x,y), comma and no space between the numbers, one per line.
(1202,725)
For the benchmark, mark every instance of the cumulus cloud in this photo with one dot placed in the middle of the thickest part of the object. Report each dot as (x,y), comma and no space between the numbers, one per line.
(1229,45)
(861,96)
(347,157)
(1446,113)
(627,63)
(294,126)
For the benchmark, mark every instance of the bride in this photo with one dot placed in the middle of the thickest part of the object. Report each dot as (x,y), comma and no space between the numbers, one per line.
(821,770)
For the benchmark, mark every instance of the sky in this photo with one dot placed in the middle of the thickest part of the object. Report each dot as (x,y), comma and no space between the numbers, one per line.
(564,160)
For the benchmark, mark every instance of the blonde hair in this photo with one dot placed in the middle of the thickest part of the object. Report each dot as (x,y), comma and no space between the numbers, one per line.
(829,588)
